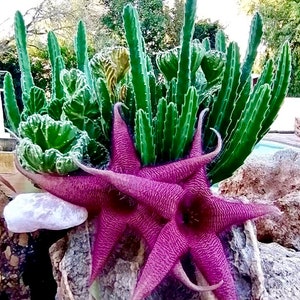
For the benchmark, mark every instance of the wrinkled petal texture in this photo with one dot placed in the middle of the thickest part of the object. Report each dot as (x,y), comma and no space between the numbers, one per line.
(167,251)
(169,226)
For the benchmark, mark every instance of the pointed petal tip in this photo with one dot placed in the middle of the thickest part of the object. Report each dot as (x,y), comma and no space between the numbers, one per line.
(117,107)
(180,274)
(274,210)
(91,280)
(267,210)
(200,119)
(219,143)
(7,184)
(203,113)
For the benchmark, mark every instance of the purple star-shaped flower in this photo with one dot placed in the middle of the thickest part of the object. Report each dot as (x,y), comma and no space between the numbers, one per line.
(200,216)
(106,194)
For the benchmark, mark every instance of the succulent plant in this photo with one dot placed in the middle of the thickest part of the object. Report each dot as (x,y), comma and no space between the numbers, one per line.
(158,127)
(162,113)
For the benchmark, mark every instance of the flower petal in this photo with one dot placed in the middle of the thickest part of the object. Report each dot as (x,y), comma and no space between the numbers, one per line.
(180,274)
(123,158)
(224,213)
(109,229)
(209,257)
(84,190)
(159,196)
(168,249)
(147,223)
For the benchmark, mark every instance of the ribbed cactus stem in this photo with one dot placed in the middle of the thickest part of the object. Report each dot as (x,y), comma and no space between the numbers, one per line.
(222,107)
(82,53)
(57,64)
(220,43)
(144,138)
(169,130)
(184,64)
(280,83)
(253,43)
(185,124)
(10,103)
(138,59)
(244,137)
(23,58)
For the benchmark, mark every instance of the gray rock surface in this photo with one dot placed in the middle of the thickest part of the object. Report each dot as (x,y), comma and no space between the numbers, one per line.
(281,267)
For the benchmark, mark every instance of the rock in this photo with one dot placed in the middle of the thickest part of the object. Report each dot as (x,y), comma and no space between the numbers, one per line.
(281,267)
(285,229)
(266,177)
(243,254)
(33,211)
(275,180)
(71,261)
(13,251)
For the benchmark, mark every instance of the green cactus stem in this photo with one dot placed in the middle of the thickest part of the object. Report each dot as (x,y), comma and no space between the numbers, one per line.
(10,103)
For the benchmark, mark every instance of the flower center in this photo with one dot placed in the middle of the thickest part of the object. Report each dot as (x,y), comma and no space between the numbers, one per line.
(190,213)
(191,217)
(121,202)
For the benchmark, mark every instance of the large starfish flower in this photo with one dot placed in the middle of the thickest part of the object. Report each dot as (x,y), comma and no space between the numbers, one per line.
(200,216)
(116,210)
(195,218)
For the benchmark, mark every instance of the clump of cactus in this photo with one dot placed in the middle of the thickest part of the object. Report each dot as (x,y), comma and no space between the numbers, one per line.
(162,108)
(75,120)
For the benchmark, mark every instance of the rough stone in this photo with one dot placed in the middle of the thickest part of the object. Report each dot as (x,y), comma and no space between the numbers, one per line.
(297,126)
(265,176)
(275,180)
(33,211)
(71,260)
(285,229)
(281,267)
(13,250)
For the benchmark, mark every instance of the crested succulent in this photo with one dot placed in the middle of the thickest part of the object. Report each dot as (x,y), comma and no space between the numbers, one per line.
(148,169)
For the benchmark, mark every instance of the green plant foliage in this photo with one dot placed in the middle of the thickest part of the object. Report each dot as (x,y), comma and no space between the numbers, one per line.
(36,103)
(72,101)
(206,29)
(162,107)
(10,104)
(141,85)
(197,75)
(243,114)
(57,65)
(48,145)
(281,24)
(20,35)
(82,53)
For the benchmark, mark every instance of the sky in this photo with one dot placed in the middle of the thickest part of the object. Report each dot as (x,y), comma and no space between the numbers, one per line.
(226,11)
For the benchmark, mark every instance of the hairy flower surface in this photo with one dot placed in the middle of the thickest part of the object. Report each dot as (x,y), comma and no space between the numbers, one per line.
(127,194)
(200,216)
(117,195)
